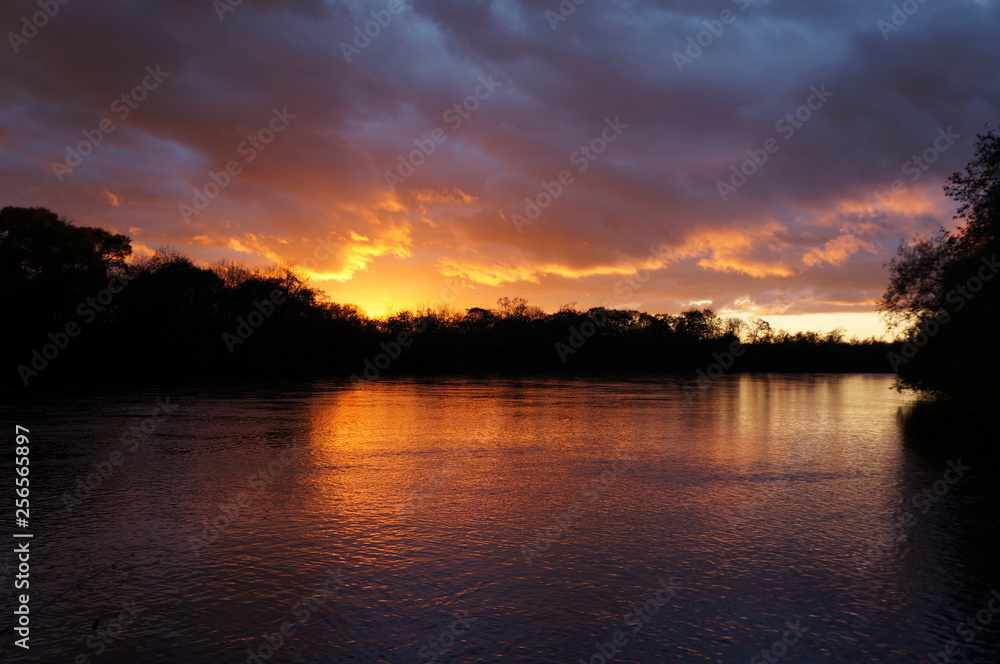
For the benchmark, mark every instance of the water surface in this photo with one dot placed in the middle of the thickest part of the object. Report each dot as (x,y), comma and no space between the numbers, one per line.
(539,513)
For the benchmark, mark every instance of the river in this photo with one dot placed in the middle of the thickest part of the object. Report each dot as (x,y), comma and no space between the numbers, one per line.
(500,520)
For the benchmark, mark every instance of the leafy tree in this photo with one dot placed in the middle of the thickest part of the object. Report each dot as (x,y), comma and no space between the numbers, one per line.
(698,324)
(943,292)
(48,267)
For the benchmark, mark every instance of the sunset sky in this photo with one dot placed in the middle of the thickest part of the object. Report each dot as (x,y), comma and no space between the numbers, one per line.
(394,166)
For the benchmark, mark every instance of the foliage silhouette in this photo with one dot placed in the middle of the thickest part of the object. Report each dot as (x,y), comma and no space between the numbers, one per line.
(943,292)
(173,319)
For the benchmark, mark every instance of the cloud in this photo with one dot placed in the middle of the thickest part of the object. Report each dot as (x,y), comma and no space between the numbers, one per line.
(809,224)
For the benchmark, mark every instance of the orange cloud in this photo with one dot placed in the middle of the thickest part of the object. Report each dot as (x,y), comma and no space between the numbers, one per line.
(495,273)
(454,195)
(140,250)
(747,251)
(837,250)
(113,199)
(356,253)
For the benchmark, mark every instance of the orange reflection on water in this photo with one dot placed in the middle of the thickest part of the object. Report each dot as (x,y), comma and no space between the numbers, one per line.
(810,453)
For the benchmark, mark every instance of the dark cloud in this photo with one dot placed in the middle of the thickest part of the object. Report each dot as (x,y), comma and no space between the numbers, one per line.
(805,234)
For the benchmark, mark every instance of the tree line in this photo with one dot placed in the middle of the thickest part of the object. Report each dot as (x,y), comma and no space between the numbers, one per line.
(78,309)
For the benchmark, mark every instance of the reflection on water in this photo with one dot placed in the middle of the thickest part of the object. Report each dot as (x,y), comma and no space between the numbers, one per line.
(489,520)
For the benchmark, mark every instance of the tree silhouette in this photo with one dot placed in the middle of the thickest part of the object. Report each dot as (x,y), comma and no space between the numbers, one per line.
(943,292)
(48,268)
(175,319)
